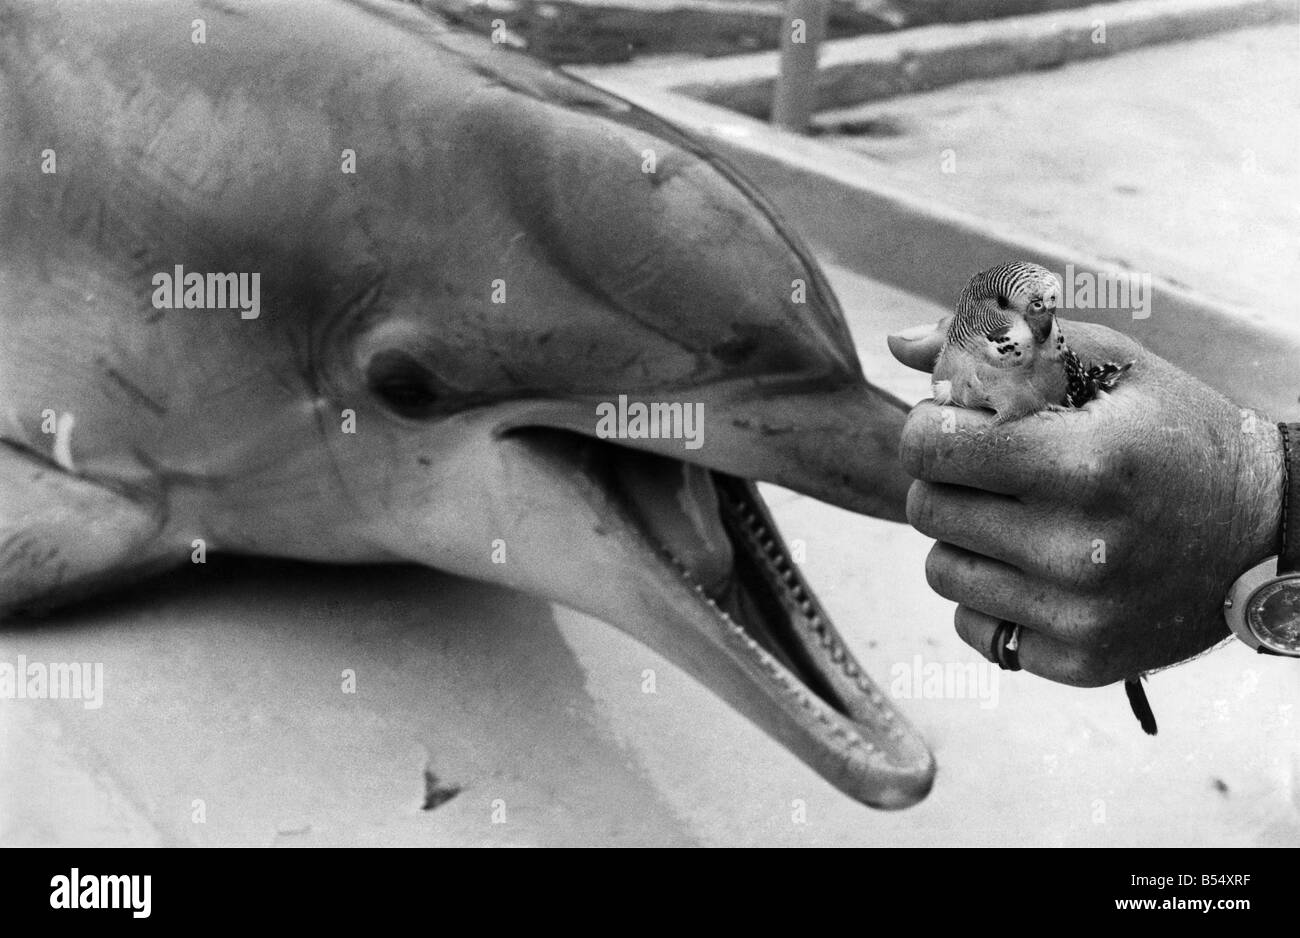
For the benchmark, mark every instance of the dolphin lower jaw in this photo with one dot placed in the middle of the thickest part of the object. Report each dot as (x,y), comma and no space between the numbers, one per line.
(740,618)
(810,692)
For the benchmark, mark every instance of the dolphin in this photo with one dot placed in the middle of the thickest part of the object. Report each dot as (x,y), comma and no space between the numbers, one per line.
(333,281)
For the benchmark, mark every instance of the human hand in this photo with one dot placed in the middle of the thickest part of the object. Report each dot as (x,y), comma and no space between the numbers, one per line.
(1110,533)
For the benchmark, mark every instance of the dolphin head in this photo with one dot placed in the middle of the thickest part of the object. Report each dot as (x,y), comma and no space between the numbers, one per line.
(588,264)
(519,267)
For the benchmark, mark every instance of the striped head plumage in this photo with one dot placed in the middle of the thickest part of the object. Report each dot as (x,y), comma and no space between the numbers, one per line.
(1005,350)
(995,298)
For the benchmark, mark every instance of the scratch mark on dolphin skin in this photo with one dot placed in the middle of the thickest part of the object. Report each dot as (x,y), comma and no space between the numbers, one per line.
(510,245)
(220,7)
(318,415)
(642,275)
(21,550)
(134,390)
(101,223)
(165,477)
(303,365)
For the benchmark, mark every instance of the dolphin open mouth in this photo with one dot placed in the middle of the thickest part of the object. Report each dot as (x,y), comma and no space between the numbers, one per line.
(636,260)
(736,612)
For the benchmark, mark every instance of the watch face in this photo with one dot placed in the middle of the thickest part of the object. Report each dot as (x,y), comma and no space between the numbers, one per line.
(1274,616)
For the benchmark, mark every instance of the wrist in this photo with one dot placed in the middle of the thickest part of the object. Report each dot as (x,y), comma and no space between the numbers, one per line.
(1262,607)
(1262,488)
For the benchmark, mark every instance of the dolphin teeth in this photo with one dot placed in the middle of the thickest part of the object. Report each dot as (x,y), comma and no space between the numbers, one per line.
(858,710)
(859,746)
(873,695)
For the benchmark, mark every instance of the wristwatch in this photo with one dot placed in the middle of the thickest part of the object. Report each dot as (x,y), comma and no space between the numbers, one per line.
(1263,606)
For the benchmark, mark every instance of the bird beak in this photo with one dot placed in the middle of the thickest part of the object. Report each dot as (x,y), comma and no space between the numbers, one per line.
(1040,324)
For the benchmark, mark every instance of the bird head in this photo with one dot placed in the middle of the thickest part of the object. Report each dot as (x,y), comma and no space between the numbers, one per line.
(1020,288)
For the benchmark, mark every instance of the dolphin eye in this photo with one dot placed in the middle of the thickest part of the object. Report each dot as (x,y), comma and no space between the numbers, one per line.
(403,383)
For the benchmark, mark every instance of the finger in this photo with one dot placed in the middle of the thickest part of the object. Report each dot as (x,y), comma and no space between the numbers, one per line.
(1000,527)
(1046,453)
(1004,592)
(1039,654)
(919,346)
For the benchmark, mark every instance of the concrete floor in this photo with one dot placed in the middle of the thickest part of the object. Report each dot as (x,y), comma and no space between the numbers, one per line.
(1178,160)
(223,697)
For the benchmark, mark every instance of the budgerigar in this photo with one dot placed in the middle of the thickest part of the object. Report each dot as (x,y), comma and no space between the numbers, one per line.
(1005,352)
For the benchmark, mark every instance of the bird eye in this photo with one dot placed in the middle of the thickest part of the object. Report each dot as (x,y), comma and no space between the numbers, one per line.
(1003,302)
(1036,306)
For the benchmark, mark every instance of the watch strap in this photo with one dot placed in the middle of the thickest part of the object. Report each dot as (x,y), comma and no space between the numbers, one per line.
(1288,560)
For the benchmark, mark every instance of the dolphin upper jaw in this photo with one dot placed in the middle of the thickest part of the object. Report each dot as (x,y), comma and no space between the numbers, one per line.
(831,438)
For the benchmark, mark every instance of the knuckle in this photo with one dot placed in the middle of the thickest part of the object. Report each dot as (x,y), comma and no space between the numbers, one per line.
(967,624)
(1104,472)
(920,445)
(1092,471)
(939,571)
(1099,563)
(1089,569)
(934,572)
(1080,624)
(921,507)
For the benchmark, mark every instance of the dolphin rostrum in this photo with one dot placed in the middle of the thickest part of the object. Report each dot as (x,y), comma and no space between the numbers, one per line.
(331,281)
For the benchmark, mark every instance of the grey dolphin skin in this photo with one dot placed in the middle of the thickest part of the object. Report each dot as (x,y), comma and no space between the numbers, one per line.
(445,262)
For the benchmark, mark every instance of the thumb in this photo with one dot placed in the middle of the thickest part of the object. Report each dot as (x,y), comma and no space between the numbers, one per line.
(919,346)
